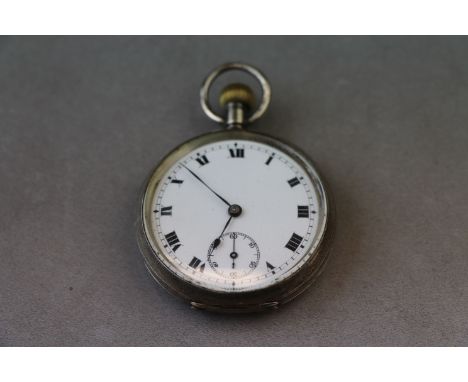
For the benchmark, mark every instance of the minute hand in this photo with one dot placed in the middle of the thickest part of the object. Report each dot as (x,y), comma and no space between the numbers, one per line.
(214,192)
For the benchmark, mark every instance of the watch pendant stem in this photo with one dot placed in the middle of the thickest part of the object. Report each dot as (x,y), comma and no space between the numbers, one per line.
(235,115)
(238,100)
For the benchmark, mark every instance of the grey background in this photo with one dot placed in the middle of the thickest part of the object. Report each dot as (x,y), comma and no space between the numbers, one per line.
(83,120)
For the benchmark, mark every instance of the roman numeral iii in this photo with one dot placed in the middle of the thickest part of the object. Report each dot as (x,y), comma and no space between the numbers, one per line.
(173,240)
(294,242)
(302,211)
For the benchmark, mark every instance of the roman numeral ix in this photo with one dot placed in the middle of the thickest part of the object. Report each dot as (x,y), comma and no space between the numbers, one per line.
(294,242)
(173,241)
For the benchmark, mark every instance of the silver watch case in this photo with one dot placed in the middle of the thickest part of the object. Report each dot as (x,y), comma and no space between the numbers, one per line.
(244,301)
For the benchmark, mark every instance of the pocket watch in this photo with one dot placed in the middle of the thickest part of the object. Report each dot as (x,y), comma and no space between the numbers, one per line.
(234,220)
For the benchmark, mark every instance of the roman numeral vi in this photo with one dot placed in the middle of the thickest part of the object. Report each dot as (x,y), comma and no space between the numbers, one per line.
(166,211)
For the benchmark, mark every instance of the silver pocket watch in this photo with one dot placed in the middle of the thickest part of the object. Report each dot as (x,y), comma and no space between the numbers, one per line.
(233,220)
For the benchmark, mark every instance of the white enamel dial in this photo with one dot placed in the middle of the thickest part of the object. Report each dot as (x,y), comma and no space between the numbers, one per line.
(204,242)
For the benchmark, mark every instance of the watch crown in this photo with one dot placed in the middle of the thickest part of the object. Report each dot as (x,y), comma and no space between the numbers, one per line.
(237,93)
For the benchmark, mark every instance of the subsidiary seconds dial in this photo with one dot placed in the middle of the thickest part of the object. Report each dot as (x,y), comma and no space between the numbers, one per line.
(235,215)
(236,256)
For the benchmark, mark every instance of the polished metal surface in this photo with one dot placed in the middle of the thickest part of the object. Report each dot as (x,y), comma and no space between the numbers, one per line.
(235,115)
(257,74)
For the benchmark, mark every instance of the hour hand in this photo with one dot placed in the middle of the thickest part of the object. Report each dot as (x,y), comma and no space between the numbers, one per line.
(218,240)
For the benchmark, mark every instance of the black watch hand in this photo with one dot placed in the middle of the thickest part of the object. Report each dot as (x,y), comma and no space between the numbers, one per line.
(218,239)
(233,254)
(196,176)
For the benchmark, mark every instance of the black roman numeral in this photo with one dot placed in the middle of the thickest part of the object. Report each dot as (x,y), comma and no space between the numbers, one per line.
(176,181)
(195,262)
(202,159)
(166,211)
(302,211)
(293,182)
(270,159)
(173,240)
(294,242)
(236,153)
(270,267)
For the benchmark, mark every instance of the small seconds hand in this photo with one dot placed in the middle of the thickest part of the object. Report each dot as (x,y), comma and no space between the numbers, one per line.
(233,253)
